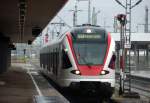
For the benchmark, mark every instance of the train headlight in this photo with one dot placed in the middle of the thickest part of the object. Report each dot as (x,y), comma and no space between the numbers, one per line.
(77,72)
(103,72)
(88,30)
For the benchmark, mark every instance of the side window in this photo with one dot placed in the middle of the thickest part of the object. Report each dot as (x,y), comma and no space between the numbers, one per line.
(53,59)
(66,62)
(50,59)
(56,58)
(40,60)
(112,62)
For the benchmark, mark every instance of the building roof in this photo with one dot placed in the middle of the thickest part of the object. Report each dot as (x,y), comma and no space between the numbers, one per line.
(139,38)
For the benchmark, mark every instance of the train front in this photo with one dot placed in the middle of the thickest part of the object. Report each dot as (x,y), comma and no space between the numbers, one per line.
(91,55)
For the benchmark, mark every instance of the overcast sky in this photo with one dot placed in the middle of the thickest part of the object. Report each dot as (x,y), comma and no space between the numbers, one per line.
(108,8)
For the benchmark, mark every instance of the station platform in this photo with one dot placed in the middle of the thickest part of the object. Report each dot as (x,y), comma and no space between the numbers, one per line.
(23,84)
(141,73)
(16,86)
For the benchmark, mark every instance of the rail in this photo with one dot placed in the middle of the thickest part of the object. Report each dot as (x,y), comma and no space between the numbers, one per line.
(138,84)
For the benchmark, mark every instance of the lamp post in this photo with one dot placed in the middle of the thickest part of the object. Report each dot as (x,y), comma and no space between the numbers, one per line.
(94,16)
(75,11)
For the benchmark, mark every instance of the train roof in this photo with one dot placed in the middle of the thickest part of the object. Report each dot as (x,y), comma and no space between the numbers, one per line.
(76,30)
(82,28)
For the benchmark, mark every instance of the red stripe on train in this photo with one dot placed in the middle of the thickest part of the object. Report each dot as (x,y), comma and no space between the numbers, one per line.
(108,47)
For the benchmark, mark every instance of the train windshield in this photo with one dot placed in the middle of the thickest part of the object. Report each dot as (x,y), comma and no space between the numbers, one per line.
(90,50)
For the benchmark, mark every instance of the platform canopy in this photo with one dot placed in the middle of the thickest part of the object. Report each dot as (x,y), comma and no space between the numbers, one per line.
(141,40)
(18,17)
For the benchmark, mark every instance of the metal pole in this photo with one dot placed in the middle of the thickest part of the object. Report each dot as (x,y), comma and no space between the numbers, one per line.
(115,24)
(146,20)
(75,15)
(121,61)
(130,23)
(89,12)
(93,16)
(126,41)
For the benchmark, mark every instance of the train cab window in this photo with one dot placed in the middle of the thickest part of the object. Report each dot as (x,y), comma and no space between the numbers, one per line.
(91,53)
(66,61)
(90,48)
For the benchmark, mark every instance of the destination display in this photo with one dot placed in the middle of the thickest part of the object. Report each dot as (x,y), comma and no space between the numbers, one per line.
(89,36)
(93,36)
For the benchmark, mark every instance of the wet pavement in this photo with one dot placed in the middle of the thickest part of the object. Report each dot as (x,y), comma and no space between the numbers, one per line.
(23,84)
(17,86)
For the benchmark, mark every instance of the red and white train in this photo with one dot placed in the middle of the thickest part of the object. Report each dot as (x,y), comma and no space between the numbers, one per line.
(82,58)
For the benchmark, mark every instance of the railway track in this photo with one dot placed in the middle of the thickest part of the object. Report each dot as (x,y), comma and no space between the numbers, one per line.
(139,84)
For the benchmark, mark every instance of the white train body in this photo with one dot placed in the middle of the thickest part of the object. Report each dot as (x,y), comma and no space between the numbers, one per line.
(85,55)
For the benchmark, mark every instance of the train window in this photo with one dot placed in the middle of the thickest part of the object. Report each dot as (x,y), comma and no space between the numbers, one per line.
(58,56)
(66,61)
(50,60)
(90,53)
(112,62)
(56,59)
(43,61)
(90,48)
(54,53)
(40,60)
(47,60)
